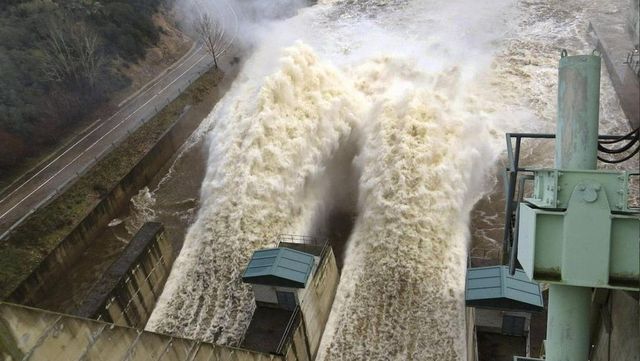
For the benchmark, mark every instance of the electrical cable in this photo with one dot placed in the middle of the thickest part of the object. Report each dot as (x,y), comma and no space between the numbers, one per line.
(622,149)
(626,136)
(635,139)
(615,161)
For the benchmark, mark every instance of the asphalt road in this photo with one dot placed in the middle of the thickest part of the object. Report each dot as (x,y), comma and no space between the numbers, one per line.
(22,198)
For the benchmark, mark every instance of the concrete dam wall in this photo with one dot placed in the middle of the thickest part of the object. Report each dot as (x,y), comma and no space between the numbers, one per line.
(127,293)
(304,341)
(36,335)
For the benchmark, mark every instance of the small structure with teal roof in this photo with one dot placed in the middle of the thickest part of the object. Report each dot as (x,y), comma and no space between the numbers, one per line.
(279,276)
(500,304)
(494,287)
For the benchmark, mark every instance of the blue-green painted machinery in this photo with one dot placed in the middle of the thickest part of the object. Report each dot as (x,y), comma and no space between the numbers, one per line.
(577,231)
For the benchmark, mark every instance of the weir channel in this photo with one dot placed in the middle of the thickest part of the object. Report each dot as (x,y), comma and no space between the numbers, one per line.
(67,290)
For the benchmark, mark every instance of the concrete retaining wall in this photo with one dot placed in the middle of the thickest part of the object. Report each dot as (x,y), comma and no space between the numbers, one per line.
(317,302)
(127,292)
(618,336)
(633,20)
(614,44)
(32,289)
(298,349)
(35,335)
(315,307)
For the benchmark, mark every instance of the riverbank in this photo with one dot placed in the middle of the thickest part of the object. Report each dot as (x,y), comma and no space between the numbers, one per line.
(39,235)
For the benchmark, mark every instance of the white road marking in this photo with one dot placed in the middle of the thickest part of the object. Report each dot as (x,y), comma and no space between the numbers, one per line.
(111,117)
(94,143)
(151,83)
(183,73)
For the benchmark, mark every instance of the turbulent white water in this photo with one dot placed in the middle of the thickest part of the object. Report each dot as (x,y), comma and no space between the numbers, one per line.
(261,159)
(422,161)
(142,210)
(422,91)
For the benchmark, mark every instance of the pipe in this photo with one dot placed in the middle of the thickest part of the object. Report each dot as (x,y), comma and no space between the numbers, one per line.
(578,106)
(576,148)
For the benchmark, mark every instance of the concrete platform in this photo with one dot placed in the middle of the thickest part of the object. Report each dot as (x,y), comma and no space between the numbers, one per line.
(37,335)
(495,347)
(615,42)
(266,329)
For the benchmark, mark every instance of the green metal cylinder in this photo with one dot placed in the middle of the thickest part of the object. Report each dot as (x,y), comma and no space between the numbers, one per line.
(576,148)
(568,323)
(578,112)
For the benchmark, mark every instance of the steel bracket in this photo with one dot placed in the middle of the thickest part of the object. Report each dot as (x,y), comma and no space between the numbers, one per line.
(591,238)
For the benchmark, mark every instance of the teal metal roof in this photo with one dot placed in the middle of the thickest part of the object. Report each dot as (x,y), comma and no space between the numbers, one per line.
(493,287)
(279,267)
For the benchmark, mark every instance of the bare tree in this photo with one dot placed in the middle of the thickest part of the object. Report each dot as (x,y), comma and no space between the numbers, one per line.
(90,60)
(211,33)
(59,64)
(72,55)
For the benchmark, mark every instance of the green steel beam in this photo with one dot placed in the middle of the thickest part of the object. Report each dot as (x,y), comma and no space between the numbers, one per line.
(584,237)
(553,188)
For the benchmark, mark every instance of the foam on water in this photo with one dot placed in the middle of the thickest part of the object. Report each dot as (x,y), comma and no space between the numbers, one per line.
(422,163)
(142,210)
(421,138)
(261,158)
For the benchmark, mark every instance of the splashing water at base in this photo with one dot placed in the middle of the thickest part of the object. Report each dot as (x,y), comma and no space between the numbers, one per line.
(426,119)
(269,148)
(141,210)
(255,188)
(401,291)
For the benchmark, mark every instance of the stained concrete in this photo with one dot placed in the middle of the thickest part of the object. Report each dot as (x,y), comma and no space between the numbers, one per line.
(618,334)
(470,334)
(127,293)
(317,302)
(34,335)
(614,41)
(35,288)
(301,332)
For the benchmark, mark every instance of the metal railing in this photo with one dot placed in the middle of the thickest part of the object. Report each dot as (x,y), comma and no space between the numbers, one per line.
(294,238)
(307,240)
(287,335)
(633,61)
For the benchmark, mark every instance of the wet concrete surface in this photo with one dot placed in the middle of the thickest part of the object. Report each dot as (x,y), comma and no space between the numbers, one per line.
(615,43)
(494,347)
(266,329)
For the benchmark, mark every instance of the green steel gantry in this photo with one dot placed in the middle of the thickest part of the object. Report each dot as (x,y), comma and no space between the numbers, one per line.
(577,231)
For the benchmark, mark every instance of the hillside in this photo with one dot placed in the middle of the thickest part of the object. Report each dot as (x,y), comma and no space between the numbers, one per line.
(60,60)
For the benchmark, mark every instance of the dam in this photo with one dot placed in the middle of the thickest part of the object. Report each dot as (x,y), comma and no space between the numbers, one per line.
(374,132)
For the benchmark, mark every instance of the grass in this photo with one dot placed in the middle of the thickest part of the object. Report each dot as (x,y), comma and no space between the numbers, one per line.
(41,233)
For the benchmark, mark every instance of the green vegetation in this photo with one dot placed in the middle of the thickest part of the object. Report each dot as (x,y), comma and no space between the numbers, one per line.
(59,59)
(30,243)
